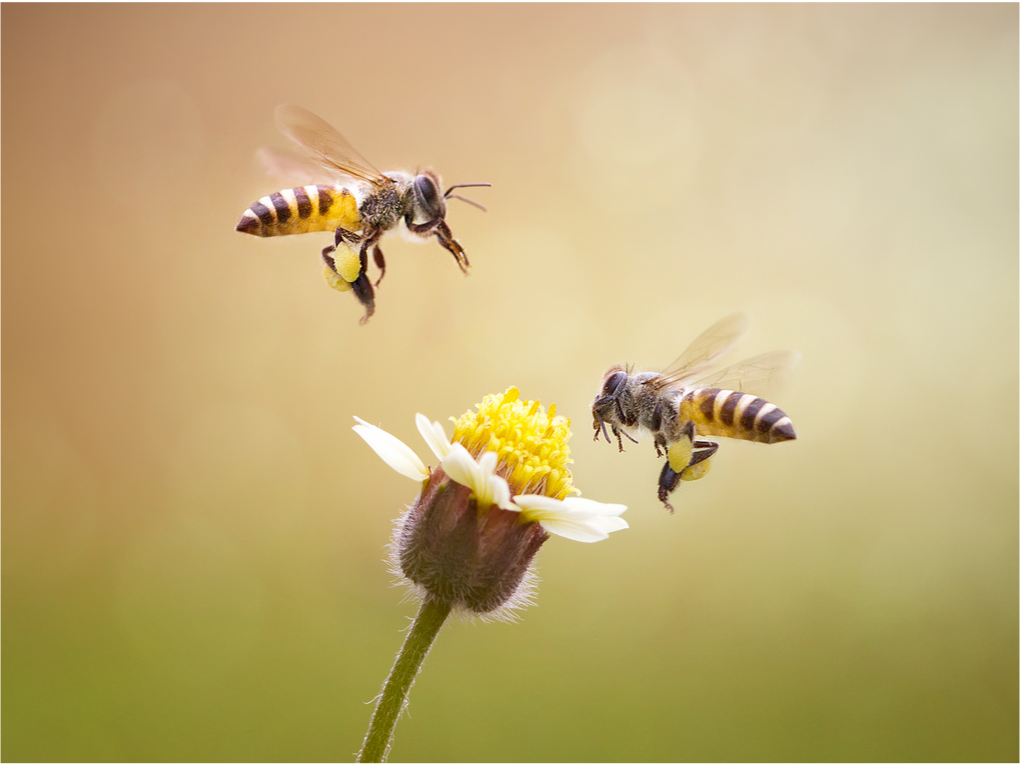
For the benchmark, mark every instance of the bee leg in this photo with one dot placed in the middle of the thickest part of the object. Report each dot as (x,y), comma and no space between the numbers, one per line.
(363,290)
(425,228)
(329,260)
(619,433)
(667,483)
(660,445)
(342,235)
(702,451)
(444,237)
(700,465)
(378,259)
(362,287)
(678,456)
(700,461)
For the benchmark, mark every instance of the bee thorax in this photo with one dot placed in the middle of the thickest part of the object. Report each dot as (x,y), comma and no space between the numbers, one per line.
(658,412)
(381,209)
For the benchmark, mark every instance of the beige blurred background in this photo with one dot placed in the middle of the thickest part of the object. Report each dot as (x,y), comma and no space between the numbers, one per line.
(193,536)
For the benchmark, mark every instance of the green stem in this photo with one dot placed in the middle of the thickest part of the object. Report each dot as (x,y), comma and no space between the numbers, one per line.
(395,694)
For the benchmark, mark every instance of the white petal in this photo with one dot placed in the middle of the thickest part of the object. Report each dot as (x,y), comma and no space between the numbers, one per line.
(494,488)
(479,477)
(396,454)
(572,505)
(574,518)
(433,434)
(609,524)
(497,486)
(488,463)
(533,502)
(460,466)
(576,530)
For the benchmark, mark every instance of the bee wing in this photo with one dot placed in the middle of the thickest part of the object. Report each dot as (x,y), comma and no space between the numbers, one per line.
(324,144)
(764,375)
(706,349)
(292,168)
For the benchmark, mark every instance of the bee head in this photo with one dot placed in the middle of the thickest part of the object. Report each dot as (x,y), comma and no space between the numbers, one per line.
(607,407)
(426,189)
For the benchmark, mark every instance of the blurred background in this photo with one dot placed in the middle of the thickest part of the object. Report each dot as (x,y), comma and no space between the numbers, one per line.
(193,537)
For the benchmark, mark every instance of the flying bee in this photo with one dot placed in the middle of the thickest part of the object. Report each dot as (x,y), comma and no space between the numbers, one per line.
(685,402)
(360,206)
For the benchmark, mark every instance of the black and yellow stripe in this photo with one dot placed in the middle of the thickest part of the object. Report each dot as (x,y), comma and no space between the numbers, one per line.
(728,413)
(313,208)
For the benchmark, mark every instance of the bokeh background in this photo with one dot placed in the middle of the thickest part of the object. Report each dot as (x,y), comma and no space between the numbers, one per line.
(193,537)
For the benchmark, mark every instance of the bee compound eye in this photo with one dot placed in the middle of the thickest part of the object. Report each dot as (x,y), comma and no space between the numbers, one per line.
(429,196)
(613,382)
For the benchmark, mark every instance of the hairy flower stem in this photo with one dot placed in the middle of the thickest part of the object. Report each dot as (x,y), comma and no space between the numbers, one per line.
(395,694)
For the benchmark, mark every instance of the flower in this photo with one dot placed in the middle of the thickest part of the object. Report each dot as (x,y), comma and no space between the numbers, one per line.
(499,491)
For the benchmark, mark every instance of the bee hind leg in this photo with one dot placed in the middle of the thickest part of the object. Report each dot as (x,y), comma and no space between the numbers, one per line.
(700,465)
(328,259)
(342,235)
(378,259)
(362,287)
(686,459)
(700,461)
(667,483)
(363,290)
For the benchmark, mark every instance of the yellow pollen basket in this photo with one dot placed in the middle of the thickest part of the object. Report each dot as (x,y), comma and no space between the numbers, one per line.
(532,444)
(347,262)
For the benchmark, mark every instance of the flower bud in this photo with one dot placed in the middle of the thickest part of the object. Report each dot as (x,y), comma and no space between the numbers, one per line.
(457,550)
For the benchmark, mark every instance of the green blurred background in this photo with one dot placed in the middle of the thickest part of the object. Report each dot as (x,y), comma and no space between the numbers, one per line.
(193,537)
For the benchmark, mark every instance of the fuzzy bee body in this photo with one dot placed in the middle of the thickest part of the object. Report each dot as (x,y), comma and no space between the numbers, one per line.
(728,413)
(683,404)
(299,210)
(359,208)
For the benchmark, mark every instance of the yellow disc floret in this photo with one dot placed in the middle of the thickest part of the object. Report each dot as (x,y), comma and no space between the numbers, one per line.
(532,443)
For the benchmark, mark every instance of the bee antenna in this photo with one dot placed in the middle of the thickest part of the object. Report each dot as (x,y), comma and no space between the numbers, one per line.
(473,184)
(466,200)
(449,194)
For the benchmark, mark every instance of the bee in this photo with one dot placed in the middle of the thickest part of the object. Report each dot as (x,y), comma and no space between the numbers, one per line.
(360,206)
(684,403)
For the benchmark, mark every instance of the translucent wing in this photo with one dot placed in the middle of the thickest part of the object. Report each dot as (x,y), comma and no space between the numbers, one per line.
(706,349)
(764,375)
(294,169)
(324,144)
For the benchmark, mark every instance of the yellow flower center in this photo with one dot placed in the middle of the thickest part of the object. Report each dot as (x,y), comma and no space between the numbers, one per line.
(532,444)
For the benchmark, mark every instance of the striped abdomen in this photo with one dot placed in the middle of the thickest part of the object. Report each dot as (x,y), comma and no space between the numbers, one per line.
(736,414)
(313,208)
